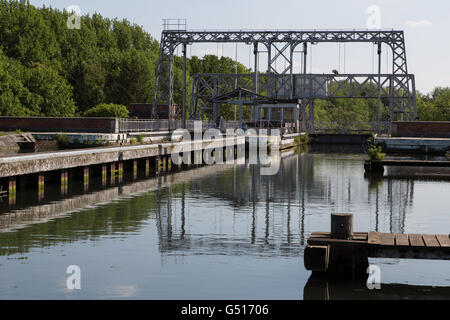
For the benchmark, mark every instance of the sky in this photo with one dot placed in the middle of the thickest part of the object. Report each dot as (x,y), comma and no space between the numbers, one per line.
(426,25)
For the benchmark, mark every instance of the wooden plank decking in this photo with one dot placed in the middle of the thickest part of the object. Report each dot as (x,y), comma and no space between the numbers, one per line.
(389,245)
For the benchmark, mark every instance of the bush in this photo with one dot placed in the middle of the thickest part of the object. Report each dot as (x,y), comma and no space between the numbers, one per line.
(375,152)
(62,139)
(133,140)
(107,110)
(140,138)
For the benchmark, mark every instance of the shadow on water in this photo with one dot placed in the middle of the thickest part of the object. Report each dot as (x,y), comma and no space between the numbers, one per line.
(318,288)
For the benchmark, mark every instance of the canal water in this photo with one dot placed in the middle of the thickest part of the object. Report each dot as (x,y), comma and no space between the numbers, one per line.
(220,232)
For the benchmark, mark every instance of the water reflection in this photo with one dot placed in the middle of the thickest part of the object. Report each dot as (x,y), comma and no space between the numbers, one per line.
(230,212)
(265,214)
(323,289)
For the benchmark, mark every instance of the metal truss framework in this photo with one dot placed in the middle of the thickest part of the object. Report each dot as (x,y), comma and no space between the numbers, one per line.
(207,88)
(281,45)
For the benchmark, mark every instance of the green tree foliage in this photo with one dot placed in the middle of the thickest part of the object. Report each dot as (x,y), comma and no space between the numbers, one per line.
(435,106)
(37,90)
(107,110)
(47,69)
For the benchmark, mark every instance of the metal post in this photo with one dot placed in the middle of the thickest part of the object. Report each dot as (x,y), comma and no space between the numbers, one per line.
(169,117)
(379,90)
(304,103)
(291,71)
(184,85)
(255,52)
(240,109)
(269,68)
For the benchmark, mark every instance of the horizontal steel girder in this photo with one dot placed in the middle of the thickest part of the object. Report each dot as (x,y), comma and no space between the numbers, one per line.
(268,36)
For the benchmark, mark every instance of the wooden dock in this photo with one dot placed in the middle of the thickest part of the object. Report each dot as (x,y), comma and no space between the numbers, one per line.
(378,166)
(343,251)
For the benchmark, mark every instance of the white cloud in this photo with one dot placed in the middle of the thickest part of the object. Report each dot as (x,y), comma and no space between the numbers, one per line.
(419,24)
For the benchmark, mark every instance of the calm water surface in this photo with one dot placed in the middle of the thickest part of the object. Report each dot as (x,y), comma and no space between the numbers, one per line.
(220,232)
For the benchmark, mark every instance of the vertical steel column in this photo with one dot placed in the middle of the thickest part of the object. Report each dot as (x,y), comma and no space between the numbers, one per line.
(255,52)
(171,67)
(304,101)
(184,85)
(379,90)
(291,69)
(240,109)
(215,105)
(269,69)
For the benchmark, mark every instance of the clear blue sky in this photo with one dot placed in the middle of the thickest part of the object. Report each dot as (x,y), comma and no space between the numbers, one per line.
(426,25)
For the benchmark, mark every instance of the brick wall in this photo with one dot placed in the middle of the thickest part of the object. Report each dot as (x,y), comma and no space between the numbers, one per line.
(38,124)
(426,129)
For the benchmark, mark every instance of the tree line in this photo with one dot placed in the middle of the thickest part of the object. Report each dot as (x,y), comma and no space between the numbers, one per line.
(48,69)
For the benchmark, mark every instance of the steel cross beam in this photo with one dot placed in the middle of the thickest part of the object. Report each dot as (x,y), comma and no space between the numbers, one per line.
(207,87)
(283,43)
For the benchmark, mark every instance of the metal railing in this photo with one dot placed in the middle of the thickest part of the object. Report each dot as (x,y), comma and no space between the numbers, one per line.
(144,125)
(349,127)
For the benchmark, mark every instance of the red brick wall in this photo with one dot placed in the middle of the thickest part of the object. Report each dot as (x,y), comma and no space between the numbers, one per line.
(37,124)
(427,129)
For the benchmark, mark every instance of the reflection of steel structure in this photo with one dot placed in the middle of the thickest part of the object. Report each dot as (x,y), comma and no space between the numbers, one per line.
(280,47)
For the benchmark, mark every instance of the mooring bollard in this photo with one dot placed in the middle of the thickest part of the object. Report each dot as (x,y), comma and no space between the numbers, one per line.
(338,256)
(341,226)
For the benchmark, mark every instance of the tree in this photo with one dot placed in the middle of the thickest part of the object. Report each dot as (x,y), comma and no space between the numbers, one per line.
(53,94)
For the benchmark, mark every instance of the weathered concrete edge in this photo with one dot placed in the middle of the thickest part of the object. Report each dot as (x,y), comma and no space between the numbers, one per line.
(29,164)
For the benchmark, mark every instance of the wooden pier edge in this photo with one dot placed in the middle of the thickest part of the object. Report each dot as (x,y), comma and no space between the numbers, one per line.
(343,253)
